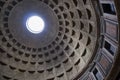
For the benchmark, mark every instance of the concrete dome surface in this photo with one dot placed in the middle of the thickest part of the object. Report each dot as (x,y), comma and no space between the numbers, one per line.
(58,39)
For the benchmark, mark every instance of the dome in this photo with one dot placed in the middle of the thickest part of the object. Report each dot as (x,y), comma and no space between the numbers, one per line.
(55,40)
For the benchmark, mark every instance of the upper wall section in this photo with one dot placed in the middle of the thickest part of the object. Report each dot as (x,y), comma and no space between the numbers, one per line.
(106,65)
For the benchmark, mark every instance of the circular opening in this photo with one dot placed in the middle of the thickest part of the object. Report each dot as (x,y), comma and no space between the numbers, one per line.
(35,24)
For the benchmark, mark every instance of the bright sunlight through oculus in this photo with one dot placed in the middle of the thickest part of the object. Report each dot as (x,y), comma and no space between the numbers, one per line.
(35,24)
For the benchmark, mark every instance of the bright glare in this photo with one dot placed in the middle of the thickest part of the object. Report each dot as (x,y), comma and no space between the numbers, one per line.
(35,24)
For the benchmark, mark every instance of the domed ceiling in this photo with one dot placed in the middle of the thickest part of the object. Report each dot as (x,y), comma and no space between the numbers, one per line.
(60,52)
